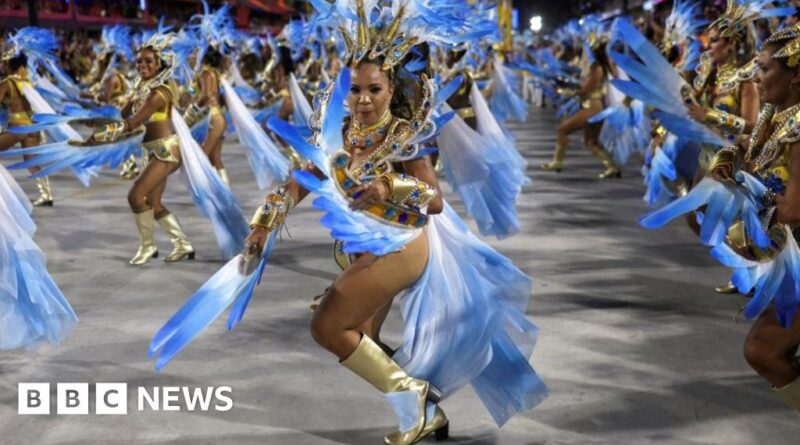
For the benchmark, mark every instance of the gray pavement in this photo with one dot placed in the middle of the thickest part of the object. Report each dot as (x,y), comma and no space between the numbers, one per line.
(634,344)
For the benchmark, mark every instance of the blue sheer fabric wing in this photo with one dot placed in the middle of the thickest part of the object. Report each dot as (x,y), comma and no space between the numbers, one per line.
(33,309)
(465,322)
(213,199)
(83,161)
(269,165)
(776,281)
(358,232)
(724,205)
(199,311)
(237,311)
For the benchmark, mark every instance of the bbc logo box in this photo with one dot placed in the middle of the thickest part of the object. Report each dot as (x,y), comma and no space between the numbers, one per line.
(72,398)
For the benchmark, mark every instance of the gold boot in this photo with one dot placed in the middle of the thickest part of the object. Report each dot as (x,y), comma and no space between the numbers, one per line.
(147,246)
(370,363)
(435,423)
(726,289)
(612,171)
(790,394)
(557,164)
(182,248)
(45,198)
(224,176)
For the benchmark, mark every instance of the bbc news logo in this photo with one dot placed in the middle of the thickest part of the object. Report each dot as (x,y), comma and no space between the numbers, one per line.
(112,398)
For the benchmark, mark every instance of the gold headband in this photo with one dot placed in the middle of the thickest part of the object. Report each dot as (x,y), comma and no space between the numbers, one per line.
(790,39)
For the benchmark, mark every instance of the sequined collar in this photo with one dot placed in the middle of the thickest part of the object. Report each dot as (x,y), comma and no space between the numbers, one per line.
(783,116)
(360,136)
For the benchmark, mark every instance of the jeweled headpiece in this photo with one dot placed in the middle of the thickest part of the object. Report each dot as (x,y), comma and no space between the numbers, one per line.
(735,22)
(789,38)
(387,34)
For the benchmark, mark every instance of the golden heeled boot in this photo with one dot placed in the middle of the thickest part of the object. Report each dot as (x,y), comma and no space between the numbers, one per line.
(612,171)
(436,423)
(145,222)
(224,176)
(45,198)
(557,164)
(726,289)
(181,247)
(790,394)
(370,363)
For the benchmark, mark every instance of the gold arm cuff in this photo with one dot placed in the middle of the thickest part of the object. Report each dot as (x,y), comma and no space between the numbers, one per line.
(404,189)
(730,156)
(110,132)
(725,120)
(274,210)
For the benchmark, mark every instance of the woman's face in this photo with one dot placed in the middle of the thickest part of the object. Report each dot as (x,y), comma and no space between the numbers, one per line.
(370,93)
(721,49)
(146,64)
(774,81)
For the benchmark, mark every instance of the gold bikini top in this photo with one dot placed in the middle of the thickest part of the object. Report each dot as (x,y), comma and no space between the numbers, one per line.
(168,92)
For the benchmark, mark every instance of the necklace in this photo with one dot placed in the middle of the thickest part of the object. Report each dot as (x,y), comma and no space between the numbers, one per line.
(360,136)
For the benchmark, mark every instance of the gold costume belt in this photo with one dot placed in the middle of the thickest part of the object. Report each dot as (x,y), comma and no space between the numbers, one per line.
(165,149)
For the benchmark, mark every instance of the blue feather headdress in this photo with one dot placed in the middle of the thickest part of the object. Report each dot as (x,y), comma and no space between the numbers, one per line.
(40,46)
(681,29)
(212,29)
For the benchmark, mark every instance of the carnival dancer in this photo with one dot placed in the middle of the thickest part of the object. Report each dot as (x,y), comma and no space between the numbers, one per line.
(167,143)
(591,96)
(15,77)
(462,301)
(750,196)
(110,85)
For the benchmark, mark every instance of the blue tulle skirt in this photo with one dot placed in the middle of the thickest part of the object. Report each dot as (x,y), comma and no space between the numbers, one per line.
(32,308)
(465,322)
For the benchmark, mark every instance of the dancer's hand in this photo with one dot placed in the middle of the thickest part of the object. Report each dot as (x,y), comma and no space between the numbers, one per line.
(697,112)
(253,248)
(254,243)
(367,195)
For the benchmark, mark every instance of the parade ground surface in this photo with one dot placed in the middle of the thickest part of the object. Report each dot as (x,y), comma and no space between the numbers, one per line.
(634,344)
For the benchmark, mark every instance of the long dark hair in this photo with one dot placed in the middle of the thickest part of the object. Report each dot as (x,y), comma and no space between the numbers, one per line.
(213,58)
(601,58)
(17,62)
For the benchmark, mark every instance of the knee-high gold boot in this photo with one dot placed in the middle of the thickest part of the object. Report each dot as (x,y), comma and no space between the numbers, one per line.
(224,176)
(557,164)
(147,246)
(436,423)
(612,171)
(182,248)
(370,363)
(790,394)
(45,198)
